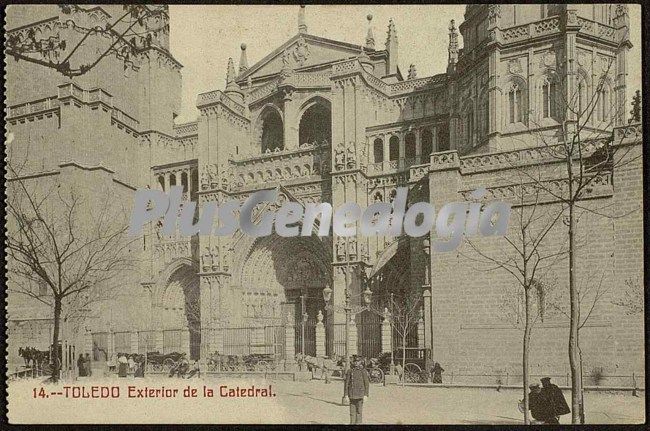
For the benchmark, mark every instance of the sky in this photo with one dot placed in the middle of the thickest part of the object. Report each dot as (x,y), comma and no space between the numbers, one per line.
(203,37)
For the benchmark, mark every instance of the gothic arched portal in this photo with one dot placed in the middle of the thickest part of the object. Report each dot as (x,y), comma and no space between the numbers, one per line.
(181,311)
(273,274)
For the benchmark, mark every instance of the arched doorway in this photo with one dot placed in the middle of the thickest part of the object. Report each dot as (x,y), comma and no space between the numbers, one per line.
(270,130)
(180,316)
(316,123)
(282,278)
(391,278)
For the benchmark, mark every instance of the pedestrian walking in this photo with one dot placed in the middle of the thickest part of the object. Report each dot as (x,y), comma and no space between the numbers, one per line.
(538,408)
(400,371)
(437,371)
(554,400)
(356,387)
(122,365)
(87,365)
(139,369)
(81,366)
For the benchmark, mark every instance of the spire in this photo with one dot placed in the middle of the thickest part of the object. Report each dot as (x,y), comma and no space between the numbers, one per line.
(412,72)
(243,61)
(453,45)
(232,89)
(302,25)
(370,39)
(391,47)
(230,74)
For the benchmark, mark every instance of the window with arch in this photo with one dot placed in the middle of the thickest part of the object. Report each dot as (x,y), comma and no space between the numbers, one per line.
(468,126)
(378,150)
(270,130)
(515,102)
(409,146)
(582,96)
(427,143)
(393,148)
(316,124)
(443,138)
(549,97)
(604,102)
(483,116)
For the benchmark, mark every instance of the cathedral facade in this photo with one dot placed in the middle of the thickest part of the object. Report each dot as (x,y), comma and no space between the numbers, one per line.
(331,121)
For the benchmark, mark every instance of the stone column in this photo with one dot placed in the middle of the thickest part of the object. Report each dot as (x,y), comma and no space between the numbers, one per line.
(434,144)
(290,122)
(88,343)
(111,344)
(402,144)
(320,336)
(386,150)
(386,336)
(353,336)
(418,146)
(289,347)
(158,338)
(167,181)
(134,341)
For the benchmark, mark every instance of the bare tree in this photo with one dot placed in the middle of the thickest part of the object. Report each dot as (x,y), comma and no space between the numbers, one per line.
(527,257)
(404,315)
(58,240)
(586,155)
(127,37)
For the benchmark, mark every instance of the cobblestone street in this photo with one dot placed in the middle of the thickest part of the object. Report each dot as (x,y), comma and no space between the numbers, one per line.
(303,402)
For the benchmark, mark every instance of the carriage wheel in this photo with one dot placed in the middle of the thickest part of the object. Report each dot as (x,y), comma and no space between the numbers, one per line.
(250,367)
(412,373)
(376,375)
(168,364)
(262,366)
(157,366)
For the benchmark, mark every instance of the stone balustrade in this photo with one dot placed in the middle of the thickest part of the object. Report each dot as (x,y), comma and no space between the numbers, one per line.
(306,161)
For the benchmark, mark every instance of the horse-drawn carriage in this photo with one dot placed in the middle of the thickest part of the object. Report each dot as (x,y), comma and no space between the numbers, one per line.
(255,362)
(163,362)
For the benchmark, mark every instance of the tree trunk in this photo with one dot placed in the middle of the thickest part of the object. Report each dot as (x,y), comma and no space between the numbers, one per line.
(404,357)
(526,351)
(56,361)
(574,360)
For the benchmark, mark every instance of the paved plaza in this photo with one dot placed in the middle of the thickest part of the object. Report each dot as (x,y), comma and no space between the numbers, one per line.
(299,402)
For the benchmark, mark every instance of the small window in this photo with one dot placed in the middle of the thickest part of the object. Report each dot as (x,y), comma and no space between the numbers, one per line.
(378,150)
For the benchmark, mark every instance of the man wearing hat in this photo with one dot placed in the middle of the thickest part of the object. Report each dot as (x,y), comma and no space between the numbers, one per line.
(554,401)
(538,409)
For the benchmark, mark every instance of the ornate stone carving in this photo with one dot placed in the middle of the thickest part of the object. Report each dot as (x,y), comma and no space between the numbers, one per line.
(514,66)
(301,52)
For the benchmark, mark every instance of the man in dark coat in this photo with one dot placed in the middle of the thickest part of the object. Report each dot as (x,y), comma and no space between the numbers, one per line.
(539,409)
(436,372)
(555,401)
(81,365)
(355,387)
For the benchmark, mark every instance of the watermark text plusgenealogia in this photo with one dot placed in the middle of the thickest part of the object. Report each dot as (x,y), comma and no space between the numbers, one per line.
(294,219)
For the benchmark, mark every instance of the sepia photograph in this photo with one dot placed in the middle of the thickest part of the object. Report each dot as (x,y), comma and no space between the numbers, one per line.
(324,214)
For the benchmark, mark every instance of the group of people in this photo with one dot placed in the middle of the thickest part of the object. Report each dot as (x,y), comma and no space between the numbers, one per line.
(83,365)
(127,364)
(547,403)
(184,369)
